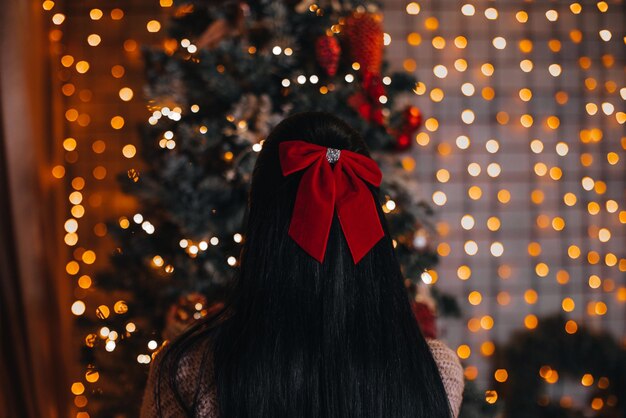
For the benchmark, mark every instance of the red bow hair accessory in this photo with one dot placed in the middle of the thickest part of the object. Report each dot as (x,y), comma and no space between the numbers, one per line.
(323,189)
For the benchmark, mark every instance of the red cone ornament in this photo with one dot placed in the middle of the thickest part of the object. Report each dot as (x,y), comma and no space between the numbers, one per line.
(327,51)
(364,35)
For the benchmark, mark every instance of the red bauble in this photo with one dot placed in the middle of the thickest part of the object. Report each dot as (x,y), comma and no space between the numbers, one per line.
(413,117)
(364,36)
(411,121)
(371,112)
(425,317)
(403,142)
(327,51)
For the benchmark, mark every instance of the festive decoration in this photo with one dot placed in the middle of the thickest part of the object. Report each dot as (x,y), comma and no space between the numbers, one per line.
(327,50)
(412,120)
(316,200)
(364,36)
(424,309)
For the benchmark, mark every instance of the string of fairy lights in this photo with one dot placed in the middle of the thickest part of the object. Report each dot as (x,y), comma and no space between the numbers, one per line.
(570,176)
(576,185)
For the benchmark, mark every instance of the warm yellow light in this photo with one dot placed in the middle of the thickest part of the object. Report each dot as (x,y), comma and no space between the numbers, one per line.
(503,298)
(413,8)
(84,282)
(436,95)
(463,351)
(486,322)
(571,327)
(558,223)
(460,64)
(521,16)
(606,35)
(89,257)
(470,247)
(542,269)
(568,304)
(473,324)
(94,39)
(526,65)
(58,171)
(504,196)
(440,71)
(117,14)
(92,376)
(474,298)
(497,249)
(573,251)
(468,9)
(463,142)
(58,18)
(604,234)
(492,146)
(422,139)
(431,23)
(409,65)
(473,169)
(534,249)
(499,42)
(117,122)
(487,348)
(153,26)
(530,296)
(467,222)
(531,321)
(594,281)
(439,198)
(414,39)
(526,121)
(78,308)
(82,67)
(443,175)
(501,375)
(126,94)
(474,192)
(491,396)
(460,42)
(487,69)
(129,151)
(464,272)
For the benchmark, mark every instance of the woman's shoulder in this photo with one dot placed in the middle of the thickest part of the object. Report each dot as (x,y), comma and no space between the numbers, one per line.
(451,372)
(194,381)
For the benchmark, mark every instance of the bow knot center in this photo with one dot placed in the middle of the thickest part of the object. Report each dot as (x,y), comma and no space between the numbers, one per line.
(332,155)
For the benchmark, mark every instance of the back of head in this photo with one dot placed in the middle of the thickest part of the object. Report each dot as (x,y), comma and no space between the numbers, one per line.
(305,338)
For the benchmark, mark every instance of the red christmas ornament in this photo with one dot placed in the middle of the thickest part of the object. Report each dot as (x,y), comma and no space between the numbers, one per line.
(412,120)
(364,35)
(371,112)
(327,51)
(425,317)
(413,117)
(403,142)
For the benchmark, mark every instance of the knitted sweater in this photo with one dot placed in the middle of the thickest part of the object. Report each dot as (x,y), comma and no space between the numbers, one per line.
(193,364)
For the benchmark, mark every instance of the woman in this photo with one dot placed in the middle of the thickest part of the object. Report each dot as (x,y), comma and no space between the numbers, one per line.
(319,323)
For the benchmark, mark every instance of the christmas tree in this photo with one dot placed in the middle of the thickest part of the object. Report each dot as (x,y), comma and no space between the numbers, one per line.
(227,73)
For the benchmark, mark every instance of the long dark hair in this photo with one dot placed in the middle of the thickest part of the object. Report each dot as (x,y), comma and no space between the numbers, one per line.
(299,338)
